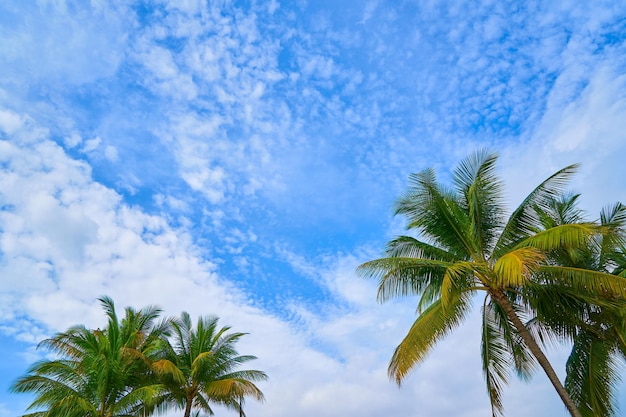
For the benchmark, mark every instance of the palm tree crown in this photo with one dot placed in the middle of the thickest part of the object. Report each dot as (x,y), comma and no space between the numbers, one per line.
(201,367)
(99,373)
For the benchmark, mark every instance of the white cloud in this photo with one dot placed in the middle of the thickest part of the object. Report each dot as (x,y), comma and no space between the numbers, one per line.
(72,140)
(588,130)
(110,153)
(91,145)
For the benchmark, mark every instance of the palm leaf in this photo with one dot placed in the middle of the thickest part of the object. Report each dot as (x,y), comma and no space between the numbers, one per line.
(601,285)
(436,214)
(515,267)
(402,276)
(523,222)
(591,376)
(432,325)
(495,357)
(479,190)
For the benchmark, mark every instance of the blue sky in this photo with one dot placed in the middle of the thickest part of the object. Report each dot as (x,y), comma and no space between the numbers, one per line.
(241,158)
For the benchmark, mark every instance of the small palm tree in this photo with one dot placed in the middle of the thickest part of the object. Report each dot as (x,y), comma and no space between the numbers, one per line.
(464,245)
(99,373)
(201,367)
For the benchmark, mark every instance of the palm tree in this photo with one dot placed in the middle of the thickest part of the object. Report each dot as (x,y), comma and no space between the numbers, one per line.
(595,327)
(99,373)
(464,245)
(200,368)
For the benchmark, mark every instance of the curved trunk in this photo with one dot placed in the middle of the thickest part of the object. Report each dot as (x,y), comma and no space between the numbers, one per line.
(188,407)
(500,298)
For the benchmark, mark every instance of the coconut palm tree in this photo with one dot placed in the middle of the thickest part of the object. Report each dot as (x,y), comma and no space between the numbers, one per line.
(201,367)
(462,245)
(595,327)
(99,373)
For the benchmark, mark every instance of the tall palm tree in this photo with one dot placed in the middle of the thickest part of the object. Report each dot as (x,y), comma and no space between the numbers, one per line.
(596,328)
(465,245)
(201,367)
(99,373)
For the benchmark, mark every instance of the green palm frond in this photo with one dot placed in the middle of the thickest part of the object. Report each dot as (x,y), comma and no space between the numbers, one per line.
(202,403)
(565,235)
(601,285)
(480,193)
(592,376)
(437,214)
(495,357)
(163,367)
(524,221)
(403,276)
(453,279)
(410,247)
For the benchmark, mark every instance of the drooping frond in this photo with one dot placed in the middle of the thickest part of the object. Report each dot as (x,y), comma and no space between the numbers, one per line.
(455,281)
(432,325)
(592,376)
(587,282)
(164,367)
(495,357)
(135,400)
(524,362)
(226,389)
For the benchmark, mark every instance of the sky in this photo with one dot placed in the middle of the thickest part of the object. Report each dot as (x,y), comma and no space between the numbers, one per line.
(241,159)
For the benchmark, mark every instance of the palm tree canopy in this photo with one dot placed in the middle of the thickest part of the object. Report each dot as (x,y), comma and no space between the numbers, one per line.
(201,367)
(99,372)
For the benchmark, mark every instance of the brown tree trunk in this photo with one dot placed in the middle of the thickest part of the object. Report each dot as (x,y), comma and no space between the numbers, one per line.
(188,407)
(500,298)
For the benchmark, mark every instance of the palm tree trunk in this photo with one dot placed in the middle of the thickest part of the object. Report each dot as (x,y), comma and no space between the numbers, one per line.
(188,407)
(500,298)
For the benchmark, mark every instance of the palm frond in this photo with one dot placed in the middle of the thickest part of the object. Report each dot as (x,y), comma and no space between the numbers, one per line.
(432,325)
(479,190)
(453,282)
(565,235)
(515,267)
(495,358)
(603,286)
(402,276)
(591,376)
(523,222)
(437,214)
(410,247)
